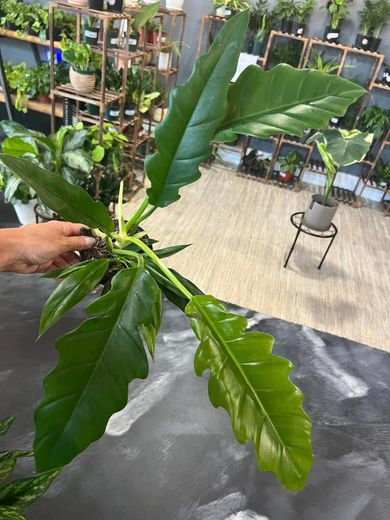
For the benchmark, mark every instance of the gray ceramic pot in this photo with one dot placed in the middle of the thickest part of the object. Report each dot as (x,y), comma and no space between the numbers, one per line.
(319,217)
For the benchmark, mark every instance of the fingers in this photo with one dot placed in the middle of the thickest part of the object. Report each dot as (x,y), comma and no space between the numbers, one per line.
(78,243)
(71,229)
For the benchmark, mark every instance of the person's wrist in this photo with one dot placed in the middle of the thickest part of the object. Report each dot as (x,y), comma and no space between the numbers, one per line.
(9,248)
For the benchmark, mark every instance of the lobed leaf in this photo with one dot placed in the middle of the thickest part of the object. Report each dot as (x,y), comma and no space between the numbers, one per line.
(97,362)
(253,386)
(75,286)
(196,110)
(71,202)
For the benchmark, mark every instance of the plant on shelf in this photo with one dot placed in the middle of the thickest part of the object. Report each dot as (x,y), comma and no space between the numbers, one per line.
(104,354)
(91,29)
(338,11)
(39,83)
(84,63)
(17,81)
(113,144)
(380,15)
(285,52)
(376,120)
(64,25)
(383,173)
(337,148)
(288,165)
(18,495)
(302,11)
(260,24)
(152,29)
(284,12)
(226,8)
(146,13)
(318,63)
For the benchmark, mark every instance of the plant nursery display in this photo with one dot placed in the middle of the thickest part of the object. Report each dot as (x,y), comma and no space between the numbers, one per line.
(376,120)
(302,11)
(374,16)
(17,495)
(338,11)
(106,352)
(337,148)
(84,64)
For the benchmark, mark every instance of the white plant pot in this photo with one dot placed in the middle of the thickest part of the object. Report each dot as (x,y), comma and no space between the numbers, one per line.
(163,61)
(25,212)
(319,217)
(174,5)
(159,114)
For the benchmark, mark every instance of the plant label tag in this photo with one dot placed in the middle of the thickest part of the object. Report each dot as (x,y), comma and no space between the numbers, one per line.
(364,41)
(300,30)
(334,120)
(130,112)
(111,2)
(282,174)
(132,41)
(114,113)
(114,41)
(91,34)
(332,36)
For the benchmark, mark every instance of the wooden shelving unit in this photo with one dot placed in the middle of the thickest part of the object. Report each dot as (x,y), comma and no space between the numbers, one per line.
(37,106)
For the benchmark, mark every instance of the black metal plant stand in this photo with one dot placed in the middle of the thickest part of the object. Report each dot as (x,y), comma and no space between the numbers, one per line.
(296,220)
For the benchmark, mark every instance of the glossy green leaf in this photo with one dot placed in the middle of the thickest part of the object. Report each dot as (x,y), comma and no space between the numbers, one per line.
(343,146)
(8,460)
(5,424)
(252,385)
(98,154)
(11,513)
(78,160)
(75,286)
(70,201)
(74,139)
(146,13)
(21,493)
(171,250)
(10,128)
(17,147)
(285,100)
(196,110)
(66,271)
(97,362)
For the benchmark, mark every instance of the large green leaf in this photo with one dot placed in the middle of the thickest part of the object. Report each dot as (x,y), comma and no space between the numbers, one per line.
(70,201)
(5,424)
(196,110)
(343,146)
(253,386)
(97,362)
(71,291)
(17,147)
(285,100)
(21,493)
(146,13)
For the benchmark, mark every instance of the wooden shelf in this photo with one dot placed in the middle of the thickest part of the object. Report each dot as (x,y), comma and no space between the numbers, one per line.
(67,91)
(343,47)
(381,86)
(27,38)
(37,106)
(84,10)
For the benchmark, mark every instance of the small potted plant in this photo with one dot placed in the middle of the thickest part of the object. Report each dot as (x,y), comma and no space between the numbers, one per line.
(112,36)
(114,84)
(83,65)
(284,11)
(137,32)
(39,83)
(337,148)
(115,6)
(376,120)
(288,166)
(302,11)
(152,30)
(380,15)
(383,174)
(226,8)
(338,12)
(363,39)
(91,30)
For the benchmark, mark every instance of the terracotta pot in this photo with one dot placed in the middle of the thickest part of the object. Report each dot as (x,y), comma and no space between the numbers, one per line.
(319,217)
(45,99)
(285,177)
(153,37)
(83,82)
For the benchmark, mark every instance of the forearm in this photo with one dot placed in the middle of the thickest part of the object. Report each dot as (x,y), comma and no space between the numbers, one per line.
(9,247)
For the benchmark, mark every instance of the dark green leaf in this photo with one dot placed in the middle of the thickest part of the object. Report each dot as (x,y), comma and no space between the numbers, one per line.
(70,201)
(170,251)
(146,13)
(196,110)
(285,100)
(21,493)
(97,362)
(71,291)
(5,424)
(63,273)
(10,128)
(253,386)
(11,513)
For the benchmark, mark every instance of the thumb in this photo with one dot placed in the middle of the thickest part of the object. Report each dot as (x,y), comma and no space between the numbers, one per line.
(79,243)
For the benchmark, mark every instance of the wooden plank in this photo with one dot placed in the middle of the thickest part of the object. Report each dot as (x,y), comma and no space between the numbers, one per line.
(37,106)
(27,38)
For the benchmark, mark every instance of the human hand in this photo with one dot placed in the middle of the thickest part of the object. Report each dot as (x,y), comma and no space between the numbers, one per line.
(39,248)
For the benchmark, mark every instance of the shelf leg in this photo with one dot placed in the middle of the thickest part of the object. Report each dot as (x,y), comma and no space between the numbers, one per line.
(7,96)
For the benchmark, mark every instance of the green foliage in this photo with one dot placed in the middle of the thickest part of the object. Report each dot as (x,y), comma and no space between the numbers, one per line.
(145,14)
(253,386)
(291,162)
(383,172)
(16,495)
(376,120)
(80,56)
(234,5)
(90,383)
(284,9)
(304,9)
(285,52)
(338,11)
(375,14)
(318,63)
(340,148)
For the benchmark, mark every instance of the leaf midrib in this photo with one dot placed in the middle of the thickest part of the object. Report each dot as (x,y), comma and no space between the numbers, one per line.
(232,356)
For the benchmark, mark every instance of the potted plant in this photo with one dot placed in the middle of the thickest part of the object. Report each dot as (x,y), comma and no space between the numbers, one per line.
(337,148)
(226,8)
(103,355)
(376,120)
(285,52)
(338,12)
(284,11)
(112,35)
(153,30)
(115,6)
(91,30)
(114,84)
(380,16)
(386,75)
(302,11)
(363,39)
(288,165)
(383,173)
(146,13)
(318,63)
(84,63)
(18,495)
(39,83)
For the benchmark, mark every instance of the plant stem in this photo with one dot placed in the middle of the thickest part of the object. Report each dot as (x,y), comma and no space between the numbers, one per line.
(137,214)
(171,277)
(133,254)
(122,227)
(147,214)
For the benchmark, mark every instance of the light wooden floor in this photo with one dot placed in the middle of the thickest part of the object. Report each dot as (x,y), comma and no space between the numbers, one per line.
(241,233)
